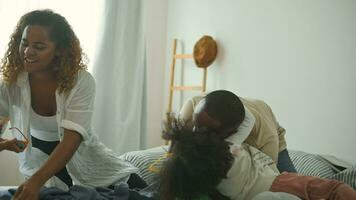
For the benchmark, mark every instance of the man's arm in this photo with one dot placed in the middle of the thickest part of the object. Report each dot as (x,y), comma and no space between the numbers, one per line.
(284,162)
(282,144)
(271,148)
(281,138)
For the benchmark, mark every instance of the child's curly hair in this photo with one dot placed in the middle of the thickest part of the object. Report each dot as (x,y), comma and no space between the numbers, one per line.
(197,163)
(66,66)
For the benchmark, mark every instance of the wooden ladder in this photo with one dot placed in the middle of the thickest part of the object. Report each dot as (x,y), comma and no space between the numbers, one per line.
(172,87)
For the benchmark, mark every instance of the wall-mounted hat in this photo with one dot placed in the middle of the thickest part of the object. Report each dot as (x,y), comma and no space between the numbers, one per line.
(205,51)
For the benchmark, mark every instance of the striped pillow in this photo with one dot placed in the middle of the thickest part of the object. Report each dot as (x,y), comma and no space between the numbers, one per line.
(305,163)
(347,176)
(310,164)
(144,159)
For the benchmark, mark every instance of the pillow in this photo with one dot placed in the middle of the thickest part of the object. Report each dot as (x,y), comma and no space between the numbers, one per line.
(347,176)
(311,165)
(305,163)
(144,159)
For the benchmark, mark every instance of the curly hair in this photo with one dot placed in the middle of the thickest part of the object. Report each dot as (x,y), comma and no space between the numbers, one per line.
(61,33)
(198,162)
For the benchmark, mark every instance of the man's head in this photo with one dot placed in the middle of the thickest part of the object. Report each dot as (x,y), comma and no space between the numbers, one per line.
(196,165)
(221,111)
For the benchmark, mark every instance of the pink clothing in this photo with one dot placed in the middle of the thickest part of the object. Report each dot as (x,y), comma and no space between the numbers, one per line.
(310,188)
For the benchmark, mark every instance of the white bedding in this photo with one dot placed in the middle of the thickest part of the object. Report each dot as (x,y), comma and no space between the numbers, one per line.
(7,187)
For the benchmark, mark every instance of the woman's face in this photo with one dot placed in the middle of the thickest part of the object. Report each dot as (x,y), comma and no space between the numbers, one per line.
(37,51)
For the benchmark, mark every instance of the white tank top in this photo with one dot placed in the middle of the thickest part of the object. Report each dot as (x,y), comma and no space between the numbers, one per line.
(43,127)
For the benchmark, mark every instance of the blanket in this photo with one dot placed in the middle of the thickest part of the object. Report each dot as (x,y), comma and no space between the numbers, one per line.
(77,192)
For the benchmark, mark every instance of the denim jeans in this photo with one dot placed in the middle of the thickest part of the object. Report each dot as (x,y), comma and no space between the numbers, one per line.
(285,164)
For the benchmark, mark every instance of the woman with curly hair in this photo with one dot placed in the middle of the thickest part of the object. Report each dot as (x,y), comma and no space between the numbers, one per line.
(48,96)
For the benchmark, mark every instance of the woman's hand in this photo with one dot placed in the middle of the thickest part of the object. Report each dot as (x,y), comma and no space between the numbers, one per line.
(29,190)
(14,145)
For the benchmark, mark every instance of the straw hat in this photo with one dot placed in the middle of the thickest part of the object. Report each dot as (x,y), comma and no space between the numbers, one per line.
(205,51)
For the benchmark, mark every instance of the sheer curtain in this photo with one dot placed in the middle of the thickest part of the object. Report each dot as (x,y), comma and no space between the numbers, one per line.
(119,70)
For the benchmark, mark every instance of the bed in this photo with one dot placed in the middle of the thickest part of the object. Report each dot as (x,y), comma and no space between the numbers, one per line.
(305,163)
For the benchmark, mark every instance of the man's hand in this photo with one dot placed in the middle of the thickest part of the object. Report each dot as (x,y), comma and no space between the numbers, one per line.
(29,190)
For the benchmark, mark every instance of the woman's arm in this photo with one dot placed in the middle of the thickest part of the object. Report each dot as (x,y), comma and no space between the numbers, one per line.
(59,157)
(56,161)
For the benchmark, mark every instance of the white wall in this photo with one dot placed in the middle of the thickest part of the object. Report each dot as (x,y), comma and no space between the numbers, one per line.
(298,56)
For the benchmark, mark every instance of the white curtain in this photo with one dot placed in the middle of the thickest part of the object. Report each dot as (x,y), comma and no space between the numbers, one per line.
(119,69)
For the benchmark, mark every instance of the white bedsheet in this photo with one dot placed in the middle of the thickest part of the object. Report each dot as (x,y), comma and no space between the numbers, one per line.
(7,187)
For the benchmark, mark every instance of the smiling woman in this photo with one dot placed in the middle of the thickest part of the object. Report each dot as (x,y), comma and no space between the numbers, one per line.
(86,27)
(48,95)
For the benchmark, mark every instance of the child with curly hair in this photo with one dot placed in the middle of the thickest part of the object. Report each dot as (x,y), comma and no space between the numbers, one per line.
(48,96)
(202,166)
(196,164)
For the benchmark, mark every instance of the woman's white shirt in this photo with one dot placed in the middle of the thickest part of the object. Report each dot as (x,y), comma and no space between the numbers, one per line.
(93,164)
